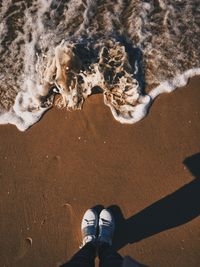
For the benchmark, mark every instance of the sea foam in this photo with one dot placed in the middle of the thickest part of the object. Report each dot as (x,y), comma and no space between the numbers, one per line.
(69,48)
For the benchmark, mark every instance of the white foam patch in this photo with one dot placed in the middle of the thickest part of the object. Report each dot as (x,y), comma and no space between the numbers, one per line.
(130,114)
(25,112)
(28,108)
(169,86)
(23,120)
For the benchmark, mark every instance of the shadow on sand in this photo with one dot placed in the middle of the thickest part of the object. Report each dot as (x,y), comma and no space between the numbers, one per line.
(173,210)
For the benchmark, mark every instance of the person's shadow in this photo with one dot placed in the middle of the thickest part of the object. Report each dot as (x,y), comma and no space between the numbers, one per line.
(173,210)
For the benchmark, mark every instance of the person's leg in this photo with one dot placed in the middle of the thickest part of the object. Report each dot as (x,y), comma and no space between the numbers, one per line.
(84,257)
(107,256)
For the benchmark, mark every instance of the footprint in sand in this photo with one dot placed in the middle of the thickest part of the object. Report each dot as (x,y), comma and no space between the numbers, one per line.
(25,246)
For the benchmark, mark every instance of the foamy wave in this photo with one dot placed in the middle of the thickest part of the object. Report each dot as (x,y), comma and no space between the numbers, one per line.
(74,81)
(68,48)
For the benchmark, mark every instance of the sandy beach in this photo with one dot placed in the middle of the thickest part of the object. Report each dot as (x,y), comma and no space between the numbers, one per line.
(71,161)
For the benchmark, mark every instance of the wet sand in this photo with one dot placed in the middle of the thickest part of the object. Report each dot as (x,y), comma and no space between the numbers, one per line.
(69,162)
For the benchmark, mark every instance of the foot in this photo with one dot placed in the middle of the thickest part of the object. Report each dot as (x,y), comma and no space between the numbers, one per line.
(89,226)
(106,227)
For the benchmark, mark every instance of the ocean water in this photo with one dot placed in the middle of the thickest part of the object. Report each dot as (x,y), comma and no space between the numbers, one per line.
(59,52)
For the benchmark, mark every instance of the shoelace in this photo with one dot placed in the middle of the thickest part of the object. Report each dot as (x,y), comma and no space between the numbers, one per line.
(106,223)
(90,222)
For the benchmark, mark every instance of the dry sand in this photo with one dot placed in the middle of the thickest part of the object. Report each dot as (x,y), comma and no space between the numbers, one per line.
(69,162)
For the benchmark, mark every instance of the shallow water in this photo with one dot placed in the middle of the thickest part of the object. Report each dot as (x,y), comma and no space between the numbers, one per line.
(75,47)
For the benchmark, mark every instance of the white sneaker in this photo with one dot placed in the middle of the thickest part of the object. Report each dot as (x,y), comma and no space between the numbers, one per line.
(89,226)
(106,227)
